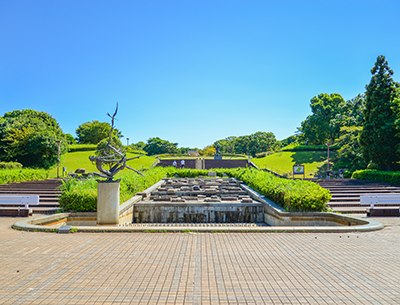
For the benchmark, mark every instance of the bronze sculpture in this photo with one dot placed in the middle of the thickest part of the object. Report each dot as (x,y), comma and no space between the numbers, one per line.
(112,154)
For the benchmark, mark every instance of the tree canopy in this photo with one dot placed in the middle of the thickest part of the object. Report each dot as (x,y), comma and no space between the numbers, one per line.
(29,137)
(93,132)
(378,138)
(157,146)
(248,144)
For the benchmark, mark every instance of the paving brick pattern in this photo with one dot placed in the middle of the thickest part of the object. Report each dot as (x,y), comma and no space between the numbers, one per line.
(204,268)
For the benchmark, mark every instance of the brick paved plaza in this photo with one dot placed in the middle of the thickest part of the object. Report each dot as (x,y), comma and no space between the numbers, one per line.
(204,268)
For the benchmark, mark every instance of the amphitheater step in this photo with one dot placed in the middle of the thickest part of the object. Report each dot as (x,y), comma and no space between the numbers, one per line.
(346,194)
(48,191)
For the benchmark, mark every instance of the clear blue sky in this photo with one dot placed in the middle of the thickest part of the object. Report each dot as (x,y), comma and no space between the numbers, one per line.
(190,71)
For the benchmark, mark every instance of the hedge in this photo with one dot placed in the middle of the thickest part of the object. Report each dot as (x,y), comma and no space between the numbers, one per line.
(81,195)
(374,175)
(292,195)
(310,148)
(81,147)
(10,165)
(21,175)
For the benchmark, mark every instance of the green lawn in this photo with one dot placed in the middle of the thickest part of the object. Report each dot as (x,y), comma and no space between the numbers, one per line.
(315,162)
(80,159)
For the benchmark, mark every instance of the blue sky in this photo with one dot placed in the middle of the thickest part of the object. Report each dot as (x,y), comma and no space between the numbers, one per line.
(190,71)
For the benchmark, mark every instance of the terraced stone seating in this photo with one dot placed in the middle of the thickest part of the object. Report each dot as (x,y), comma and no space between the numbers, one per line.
(47,190)
(381,199)
(346,194)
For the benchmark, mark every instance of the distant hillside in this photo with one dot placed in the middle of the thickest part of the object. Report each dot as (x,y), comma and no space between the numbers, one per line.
(315,162)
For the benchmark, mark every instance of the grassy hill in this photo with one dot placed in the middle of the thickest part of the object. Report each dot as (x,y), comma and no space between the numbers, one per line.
(80,159)
(315,162)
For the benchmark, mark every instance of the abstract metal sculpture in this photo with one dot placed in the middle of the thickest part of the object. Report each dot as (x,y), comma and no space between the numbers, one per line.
(112,154)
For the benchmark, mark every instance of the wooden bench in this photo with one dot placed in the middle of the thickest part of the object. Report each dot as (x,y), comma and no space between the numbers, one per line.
(382,199)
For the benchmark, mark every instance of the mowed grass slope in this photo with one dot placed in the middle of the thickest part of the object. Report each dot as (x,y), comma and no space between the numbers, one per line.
(315,162)
(80,159)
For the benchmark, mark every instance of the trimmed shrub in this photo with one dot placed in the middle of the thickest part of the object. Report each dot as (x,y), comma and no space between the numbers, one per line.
(310,148)
(10,165)
(81,147)
(21,175)
(264,154)
(374,175)
(81,195)
(292,195)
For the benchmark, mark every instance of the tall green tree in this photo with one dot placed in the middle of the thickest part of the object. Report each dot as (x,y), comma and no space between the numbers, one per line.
(378,137)
(93,132)
(320,126)
(29,137)
(350,153)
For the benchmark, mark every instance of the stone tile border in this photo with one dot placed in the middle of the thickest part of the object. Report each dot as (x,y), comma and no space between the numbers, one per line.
(33,225)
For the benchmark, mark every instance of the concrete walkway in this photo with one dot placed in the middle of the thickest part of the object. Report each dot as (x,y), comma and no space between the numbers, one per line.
(203,268)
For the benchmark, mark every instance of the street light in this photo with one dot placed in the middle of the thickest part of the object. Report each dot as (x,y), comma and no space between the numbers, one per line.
(58,158)
(328,172)
(127,141)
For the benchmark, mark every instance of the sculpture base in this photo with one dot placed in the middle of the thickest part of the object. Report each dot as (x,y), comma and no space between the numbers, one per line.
(217,157)
(108,202)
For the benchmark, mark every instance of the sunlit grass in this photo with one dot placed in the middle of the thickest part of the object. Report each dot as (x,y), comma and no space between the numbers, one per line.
(80,159)
(314,161)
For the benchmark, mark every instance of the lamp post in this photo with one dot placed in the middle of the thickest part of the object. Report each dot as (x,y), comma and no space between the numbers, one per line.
(127,141)
(328,174)
(58,158)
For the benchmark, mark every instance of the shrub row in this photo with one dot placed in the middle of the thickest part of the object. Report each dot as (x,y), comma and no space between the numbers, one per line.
(310,148)
(81,195)
(374,175)
(81,147)
(292,195)
(10,165)
(21,175)
(264,154)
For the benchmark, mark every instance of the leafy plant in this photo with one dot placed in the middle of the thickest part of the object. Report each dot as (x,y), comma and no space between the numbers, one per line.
(10,165)
(21,175)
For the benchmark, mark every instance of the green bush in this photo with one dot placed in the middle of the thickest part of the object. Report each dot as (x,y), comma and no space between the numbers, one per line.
(374,175)
(309,148)
(264,154)
(22,174)
(10,165)
(293,195)
(81,195)
(81,147)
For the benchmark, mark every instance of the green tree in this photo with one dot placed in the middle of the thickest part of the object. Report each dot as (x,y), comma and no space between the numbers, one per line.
(70,139)
(157,146)
(378,138)
(320,126)
(29,137)
(93,132)
(350,153)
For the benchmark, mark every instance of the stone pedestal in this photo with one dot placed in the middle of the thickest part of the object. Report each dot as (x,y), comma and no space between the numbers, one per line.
(108,202)
(217,157)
